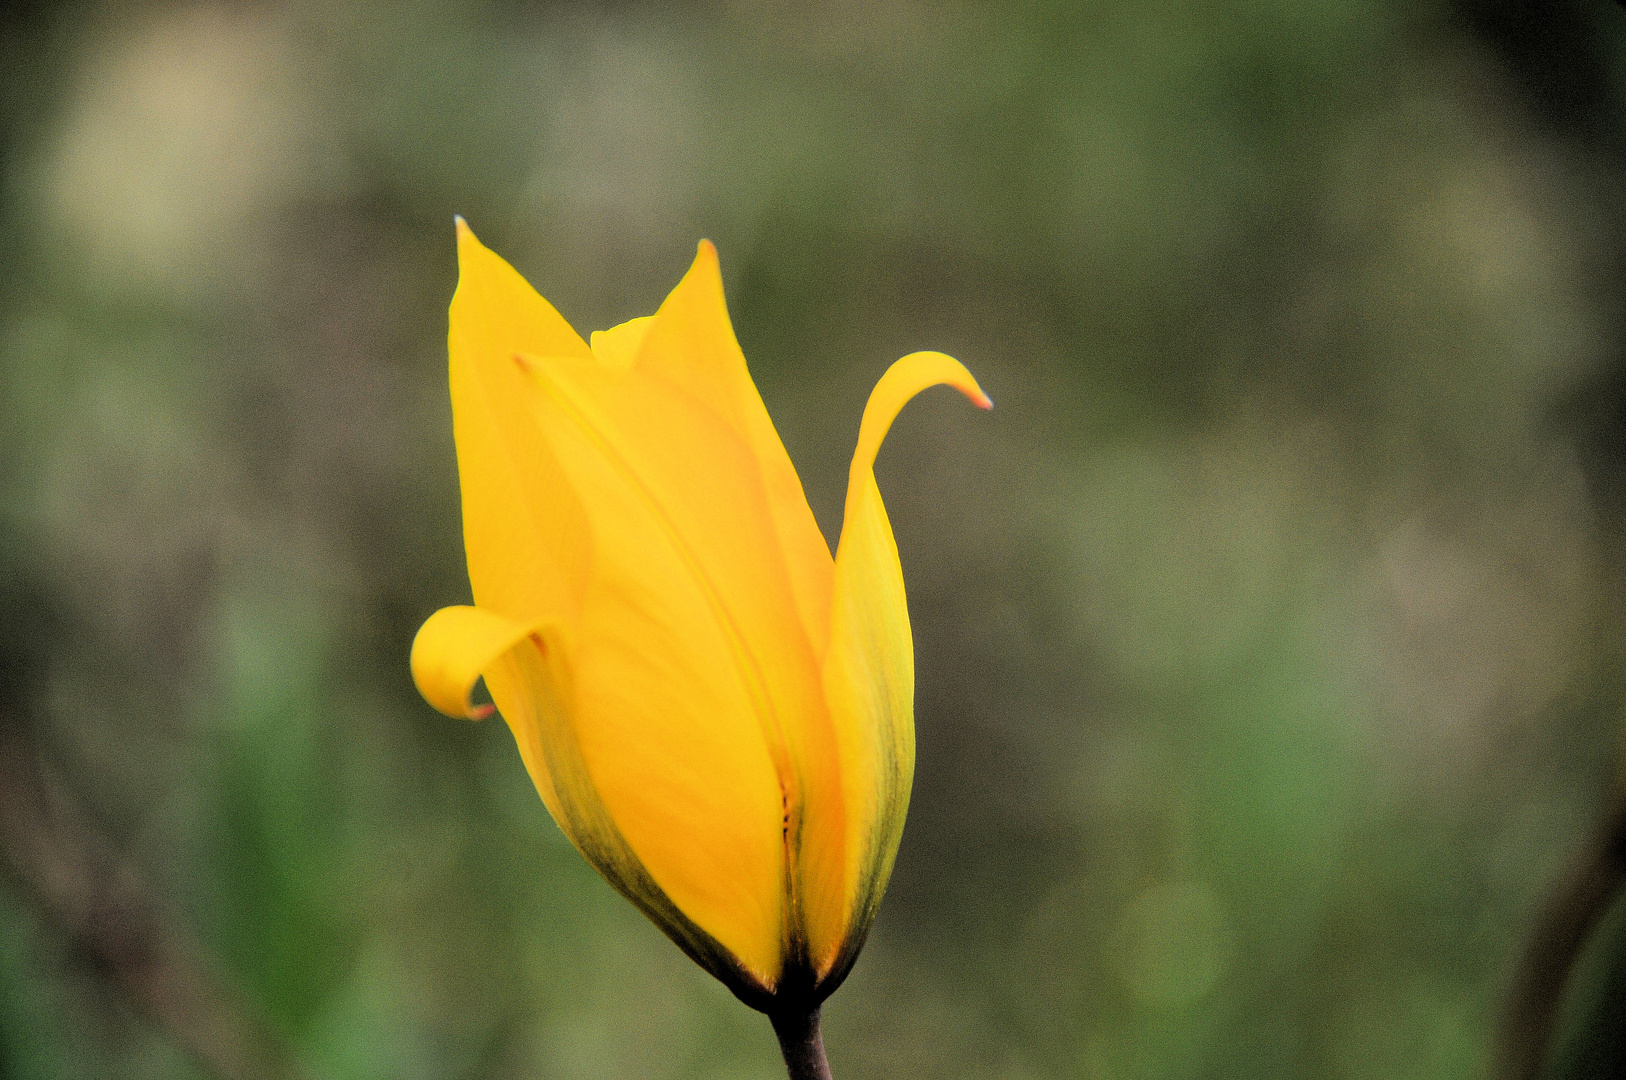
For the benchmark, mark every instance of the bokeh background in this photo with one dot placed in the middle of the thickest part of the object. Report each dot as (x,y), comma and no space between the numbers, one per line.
(1269,635)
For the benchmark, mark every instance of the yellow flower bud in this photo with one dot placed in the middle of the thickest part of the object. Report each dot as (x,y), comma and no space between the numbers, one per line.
(718,715)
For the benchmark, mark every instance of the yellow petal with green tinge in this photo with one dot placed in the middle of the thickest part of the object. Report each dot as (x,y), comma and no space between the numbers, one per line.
(529,672)
(698,690)
(869,670)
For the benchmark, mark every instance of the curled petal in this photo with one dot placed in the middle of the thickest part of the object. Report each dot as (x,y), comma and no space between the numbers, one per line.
(869,669)
(451,650)
(902,381)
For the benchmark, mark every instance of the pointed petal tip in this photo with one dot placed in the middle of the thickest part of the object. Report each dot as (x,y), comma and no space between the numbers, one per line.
(926,368)
(967,384)
(467,242)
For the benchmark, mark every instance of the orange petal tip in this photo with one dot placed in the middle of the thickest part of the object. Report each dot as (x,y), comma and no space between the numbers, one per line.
(480,712)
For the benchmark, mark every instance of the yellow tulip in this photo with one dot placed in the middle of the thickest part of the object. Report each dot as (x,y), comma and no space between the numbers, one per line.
(718,715)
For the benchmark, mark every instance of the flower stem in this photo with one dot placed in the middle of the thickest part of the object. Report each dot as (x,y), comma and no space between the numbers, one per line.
(802,1044)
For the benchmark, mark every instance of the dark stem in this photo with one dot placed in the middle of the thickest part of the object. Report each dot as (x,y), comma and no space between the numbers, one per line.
(802,1044)
(1571,914)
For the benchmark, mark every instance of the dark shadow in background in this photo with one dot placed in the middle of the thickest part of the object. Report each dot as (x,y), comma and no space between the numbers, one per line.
(1564,1009)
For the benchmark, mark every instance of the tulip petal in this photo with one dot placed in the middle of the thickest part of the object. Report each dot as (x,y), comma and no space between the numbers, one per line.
(691,344)
(618,346)
(701,696)
(531,552)
(523,527)
(869,672)
(529,676)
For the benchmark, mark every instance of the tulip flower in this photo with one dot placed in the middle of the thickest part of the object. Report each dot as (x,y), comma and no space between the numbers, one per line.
(717,713)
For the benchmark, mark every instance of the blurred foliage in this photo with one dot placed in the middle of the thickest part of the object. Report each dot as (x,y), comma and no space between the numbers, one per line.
(1269,665)
(1591,1044)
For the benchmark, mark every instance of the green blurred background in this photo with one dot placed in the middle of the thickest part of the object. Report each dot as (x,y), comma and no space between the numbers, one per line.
(1270,670)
